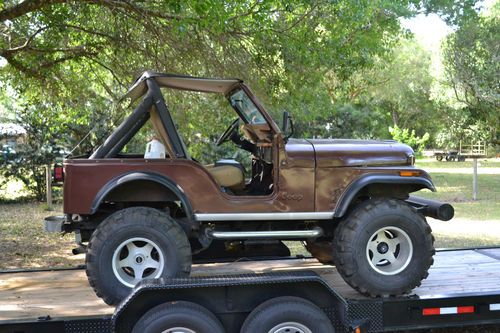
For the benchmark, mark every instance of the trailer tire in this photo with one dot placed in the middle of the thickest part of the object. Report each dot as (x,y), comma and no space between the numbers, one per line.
(287,314)
(176,317)
(384,247)
(160,249)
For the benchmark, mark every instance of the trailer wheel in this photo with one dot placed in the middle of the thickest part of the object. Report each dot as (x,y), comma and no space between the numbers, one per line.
(133,244)
(178,317)
(287,314)
(384,247)
(439,157)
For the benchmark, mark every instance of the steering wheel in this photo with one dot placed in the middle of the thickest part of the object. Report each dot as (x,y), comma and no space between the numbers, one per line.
(228,132)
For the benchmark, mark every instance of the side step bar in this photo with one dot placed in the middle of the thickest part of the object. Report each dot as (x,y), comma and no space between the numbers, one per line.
(274,234)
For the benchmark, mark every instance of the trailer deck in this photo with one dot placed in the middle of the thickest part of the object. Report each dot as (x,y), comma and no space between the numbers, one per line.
(26,296)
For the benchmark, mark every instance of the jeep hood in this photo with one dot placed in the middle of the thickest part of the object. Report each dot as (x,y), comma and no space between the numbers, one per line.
(349,153)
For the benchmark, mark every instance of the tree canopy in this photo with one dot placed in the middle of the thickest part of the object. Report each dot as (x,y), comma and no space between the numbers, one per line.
(281,45)
(473,67)
(341,68)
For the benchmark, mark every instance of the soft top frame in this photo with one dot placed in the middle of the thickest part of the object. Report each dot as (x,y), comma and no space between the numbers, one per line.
(180,82)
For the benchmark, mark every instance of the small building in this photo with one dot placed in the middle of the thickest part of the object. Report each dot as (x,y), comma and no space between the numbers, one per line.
(11,135)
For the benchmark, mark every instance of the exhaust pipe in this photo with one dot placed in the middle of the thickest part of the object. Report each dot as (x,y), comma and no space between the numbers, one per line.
(435,209)
(274,234)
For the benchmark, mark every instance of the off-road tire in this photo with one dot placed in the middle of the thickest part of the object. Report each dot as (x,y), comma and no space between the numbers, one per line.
(181,314)
(351,241)
(287,310)
(144,222)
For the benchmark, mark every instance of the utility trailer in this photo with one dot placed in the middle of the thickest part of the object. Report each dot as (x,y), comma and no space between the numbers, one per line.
(470,150)
(463,288)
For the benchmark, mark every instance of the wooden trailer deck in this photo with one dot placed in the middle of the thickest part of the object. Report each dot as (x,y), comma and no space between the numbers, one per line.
(28,295)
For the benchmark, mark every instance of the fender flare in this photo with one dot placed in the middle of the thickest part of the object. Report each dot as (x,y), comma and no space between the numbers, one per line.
(353,188)
(143,175)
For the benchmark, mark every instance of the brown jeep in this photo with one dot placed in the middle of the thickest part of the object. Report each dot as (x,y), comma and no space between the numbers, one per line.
(347,200)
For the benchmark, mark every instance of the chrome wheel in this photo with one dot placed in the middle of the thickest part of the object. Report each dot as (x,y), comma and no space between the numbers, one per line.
(136,259)
(389,250)
(290,327)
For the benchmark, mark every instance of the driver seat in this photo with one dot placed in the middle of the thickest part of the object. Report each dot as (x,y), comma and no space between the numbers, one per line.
(227,173)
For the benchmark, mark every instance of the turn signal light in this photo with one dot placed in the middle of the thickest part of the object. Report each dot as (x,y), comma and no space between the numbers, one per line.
(409,173)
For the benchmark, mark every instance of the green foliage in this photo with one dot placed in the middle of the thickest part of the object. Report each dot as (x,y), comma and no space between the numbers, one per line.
(458,124)
(339,67)
(403,87)
(471,60)
(454,12)
(201,119)
(395,91)
(345,120)
(44,144)
(404,135)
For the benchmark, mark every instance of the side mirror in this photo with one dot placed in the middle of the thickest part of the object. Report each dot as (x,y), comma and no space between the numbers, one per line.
(287,122)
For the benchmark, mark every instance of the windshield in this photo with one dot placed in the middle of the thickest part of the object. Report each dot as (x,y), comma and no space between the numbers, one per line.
(244,105)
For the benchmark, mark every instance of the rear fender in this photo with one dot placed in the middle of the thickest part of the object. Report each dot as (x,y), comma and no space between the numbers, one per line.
(150,177)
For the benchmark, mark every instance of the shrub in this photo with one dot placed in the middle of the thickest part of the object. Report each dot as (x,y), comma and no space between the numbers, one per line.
(404,135)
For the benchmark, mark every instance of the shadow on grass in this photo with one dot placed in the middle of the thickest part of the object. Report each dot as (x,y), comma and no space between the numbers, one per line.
(37,253)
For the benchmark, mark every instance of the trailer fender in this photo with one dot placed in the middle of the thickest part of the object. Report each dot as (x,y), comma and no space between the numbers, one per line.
(237,295)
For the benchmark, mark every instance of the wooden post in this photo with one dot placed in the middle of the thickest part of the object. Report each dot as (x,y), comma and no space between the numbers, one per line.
(474,180)
(48,181)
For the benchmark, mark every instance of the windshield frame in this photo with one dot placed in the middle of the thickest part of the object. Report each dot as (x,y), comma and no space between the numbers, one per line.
(245,113)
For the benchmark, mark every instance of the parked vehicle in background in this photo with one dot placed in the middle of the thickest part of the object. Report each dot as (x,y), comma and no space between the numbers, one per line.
(464,151)
(348,200)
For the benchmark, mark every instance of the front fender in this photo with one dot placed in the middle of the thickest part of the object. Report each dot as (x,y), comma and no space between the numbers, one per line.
(359,184)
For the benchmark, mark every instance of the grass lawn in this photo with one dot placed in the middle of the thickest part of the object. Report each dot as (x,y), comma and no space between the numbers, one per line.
(476,223)
(482,163)
(456,188)
(454,185)
(25,244)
